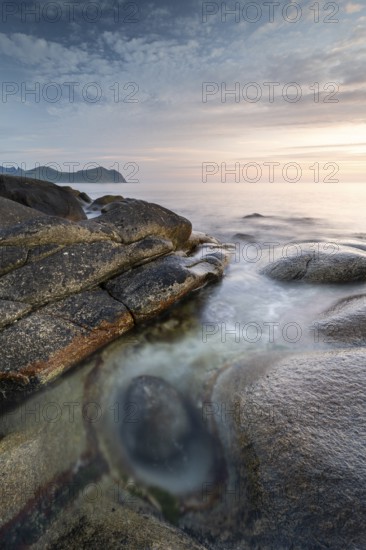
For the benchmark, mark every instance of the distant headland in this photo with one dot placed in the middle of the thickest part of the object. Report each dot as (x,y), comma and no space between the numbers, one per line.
(97,174)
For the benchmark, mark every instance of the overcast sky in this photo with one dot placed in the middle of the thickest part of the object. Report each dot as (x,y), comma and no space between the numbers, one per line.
(144,82)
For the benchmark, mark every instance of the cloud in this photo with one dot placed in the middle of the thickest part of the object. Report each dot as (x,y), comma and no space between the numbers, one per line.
(353,8)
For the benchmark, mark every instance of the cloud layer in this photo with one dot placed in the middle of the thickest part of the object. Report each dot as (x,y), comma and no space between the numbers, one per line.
(171,86)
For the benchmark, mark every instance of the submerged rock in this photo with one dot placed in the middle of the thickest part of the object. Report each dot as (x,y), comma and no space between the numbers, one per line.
(160,439)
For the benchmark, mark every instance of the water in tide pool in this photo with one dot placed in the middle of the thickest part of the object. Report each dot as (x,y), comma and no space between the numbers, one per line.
(248,313)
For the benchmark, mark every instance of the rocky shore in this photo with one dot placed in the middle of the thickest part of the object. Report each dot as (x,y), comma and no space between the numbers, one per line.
(268,453)
(69,285)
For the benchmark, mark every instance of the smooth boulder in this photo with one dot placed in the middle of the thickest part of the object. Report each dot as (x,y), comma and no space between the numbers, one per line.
(344,323)
(315,262)
(295,440)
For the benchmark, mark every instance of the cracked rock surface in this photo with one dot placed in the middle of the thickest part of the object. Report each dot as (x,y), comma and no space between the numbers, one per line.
(68,288)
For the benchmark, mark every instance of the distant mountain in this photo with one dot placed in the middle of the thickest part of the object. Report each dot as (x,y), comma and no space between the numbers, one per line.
(93,175)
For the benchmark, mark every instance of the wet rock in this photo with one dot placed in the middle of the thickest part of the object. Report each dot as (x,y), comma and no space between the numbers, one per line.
(75,268)
(244,237)
(104,201)
(150,289)
(316,263)
(344,323)
(46,343)
(80,195)
(44,196)
(255,215)
(112,524)
(198,238)
(49,261)
(296,451)
(159,438)
(136,219)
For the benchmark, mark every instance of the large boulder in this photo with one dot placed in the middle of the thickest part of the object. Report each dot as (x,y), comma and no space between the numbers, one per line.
(315,262)
(43,196)
(136,219)
(66,288)
(294,434)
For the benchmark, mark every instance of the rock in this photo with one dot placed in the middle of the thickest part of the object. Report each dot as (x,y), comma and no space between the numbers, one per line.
(198,238)
(343,323)
(112,524)
(135,219)
(49,230)
(162,441)
(52,262)
(103,201)
(12,311)
(75,268)
(152,288)
(296,450)
(316,263)
(44,196)
(46,343)
(80,195)
(12,257)
(244,237)
(255,215)
(13,213)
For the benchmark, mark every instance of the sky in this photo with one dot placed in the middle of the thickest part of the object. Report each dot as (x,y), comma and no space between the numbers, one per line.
(186,92)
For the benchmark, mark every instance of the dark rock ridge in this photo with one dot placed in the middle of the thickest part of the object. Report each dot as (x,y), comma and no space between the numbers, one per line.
(68,288)
(91,175)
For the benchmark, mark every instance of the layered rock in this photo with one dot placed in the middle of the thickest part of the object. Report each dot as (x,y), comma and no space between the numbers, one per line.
(68,288)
